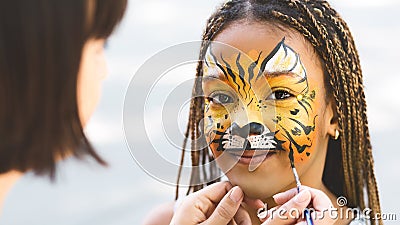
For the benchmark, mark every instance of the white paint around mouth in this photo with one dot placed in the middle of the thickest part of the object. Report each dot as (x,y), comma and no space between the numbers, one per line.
(262,141)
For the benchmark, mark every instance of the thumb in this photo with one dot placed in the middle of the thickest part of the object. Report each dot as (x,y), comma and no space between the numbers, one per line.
(291,211)
(227,208)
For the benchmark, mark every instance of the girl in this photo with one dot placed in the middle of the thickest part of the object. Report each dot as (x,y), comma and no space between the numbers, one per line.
(286,94)
(51,67)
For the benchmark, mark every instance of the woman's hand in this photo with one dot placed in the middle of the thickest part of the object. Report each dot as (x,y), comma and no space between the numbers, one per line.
(217,204)
(290,203)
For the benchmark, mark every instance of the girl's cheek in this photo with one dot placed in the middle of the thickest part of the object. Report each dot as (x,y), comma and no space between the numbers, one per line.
(215,123)
(214,147)
(298,132)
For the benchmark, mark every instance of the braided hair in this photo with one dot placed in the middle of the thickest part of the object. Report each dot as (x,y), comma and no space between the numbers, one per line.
(330,36)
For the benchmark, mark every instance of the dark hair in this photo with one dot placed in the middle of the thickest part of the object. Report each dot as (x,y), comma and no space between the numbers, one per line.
(349,167)
(41,43)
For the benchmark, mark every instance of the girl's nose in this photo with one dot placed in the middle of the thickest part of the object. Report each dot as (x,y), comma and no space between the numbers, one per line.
(255,128)
(252,128)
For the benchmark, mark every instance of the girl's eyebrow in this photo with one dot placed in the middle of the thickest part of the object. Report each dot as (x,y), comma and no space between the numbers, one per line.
(214,76)
(276,74)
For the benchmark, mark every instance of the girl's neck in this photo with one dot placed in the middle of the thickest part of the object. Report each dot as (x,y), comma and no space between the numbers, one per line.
(7,180)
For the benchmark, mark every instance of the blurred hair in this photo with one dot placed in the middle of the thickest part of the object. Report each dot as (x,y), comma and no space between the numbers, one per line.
(41,44)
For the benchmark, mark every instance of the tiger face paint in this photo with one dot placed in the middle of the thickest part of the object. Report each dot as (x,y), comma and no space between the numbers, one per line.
(295,109)
(258,102)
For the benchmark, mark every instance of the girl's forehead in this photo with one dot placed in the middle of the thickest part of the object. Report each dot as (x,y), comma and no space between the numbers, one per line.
(252,38)
(282,59)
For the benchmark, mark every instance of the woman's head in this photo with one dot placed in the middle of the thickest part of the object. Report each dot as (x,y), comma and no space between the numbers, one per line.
(329,96)
(51,65)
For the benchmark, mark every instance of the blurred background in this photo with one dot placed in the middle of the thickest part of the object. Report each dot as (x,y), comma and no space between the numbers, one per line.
(85,193)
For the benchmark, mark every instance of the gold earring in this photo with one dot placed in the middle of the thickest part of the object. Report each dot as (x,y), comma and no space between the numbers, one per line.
(336,134)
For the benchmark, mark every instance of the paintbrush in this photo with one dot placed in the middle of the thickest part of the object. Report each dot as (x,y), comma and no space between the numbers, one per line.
(262,212)
(307,215)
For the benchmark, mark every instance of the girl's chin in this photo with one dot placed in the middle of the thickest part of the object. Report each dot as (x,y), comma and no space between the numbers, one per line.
(256,190)
(261,185)
(258,194)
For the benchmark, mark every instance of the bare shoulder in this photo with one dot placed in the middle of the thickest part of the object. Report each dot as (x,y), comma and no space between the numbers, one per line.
(160,215)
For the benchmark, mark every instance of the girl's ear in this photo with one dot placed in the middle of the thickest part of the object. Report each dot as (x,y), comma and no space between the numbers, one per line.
(333,121)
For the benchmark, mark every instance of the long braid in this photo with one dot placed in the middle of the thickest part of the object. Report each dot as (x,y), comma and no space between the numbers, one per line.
(347,127)
(361,121)
(372,190)
(182,157)
(196,109)
(195,176)
(328,33)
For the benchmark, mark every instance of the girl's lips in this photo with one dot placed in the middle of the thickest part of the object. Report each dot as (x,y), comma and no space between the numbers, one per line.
(252,156)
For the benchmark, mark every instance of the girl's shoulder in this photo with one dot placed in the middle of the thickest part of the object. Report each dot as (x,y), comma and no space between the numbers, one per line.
(160,215)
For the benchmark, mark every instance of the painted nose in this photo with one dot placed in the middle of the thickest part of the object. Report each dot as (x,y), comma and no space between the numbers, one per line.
(255,128)
(252,128)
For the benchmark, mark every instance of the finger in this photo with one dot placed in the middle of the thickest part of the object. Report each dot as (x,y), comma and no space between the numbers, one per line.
(227,208)
(215,192)
(253,203)
(202,203)
(269,213)
(319,199)
(242,217)
(211,209)
(321,205)
(232,222)
(291,211)
(283,197)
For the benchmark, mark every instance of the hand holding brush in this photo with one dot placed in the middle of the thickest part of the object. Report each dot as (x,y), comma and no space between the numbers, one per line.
(294,200)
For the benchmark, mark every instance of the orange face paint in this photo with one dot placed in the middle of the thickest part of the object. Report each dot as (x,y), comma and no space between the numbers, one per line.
(257,102)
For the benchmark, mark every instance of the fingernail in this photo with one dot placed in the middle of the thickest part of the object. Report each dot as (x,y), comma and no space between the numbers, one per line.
(301,197)
(277,195)
(236,194)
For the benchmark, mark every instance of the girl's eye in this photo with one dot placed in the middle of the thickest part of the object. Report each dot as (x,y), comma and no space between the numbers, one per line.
(279,95)
(221,99)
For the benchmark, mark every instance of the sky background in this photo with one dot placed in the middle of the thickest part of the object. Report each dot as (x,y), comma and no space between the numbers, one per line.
(85,193)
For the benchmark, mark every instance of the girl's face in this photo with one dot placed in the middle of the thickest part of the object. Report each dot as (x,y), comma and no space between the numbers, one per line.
(265,106)
(92,72)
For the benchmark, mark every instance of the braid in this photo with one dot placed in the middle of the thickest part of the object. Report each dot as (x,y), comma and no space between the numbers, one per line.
(332,40)
(182,157)
(213,26)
